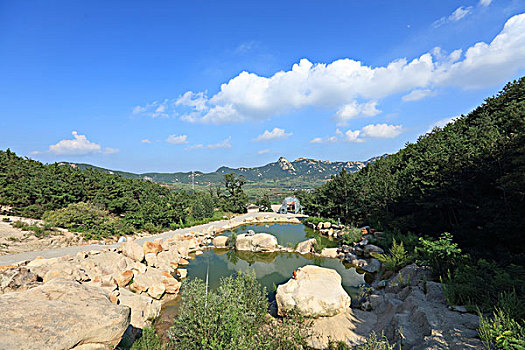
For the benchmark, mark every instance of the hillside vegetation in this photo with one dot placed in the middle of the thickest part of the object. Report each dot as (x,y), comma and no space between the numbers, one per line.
(467,179)
(102,204)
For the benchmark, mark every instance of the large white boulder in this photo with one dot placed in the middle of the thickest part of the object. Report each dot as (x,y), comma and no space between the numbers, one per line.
(307,246)
(259,242)
(61,314)
(314,291)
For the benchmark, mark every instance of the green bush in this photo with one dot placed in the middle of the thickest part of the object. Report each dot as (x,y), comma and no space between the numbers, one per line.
(373,342)
(397,258)
(231,317)
(480,284)
(351,235)
(77,216)
(442,255)
(501,332)
(148,341)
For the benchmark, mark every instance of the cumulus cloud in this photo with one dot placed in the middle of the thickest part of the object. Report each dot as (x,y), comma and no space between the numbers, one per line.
(381,130)
(275,134)
(346,85)
(455,16)
(355,110)
(418,94)
(177,139)
(79,146)
(263,151)
(356,136)
(220,145)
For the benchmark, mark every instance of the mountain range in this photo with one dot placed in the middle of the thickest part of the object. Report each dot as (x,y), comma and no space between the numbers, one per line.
(303,170)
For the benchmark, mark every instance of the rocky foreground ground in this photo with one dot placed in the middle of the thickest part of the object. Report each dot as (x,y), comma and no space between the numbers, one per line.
(94,299)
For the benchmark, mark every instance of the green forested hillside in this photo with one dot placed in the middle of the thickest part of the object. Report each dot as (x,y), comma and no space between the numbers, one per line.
(467,178)
(33,189)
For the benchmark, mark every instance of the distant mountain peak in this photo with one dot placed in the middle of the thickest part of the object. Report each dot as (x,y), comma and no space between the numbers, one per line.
(285,164)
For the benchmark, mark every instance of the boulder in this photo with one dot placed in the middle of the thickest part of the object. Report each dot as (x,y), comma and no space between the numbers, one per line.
(17,280)
(220,242)
(260,242)
(307,246)
(143,308)
(124,278)
(152,247)
(61,314)
(330,253)
(370,249)
(372,265)
(314,291)
(133,251)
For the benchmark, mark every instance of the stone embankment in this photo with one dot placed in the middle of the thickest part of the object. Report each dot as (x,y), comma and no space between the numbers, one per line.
(90,300)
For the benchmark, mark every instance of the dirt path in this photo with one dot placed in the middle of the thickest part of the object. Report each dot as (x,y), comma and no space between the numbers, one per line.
(246,219)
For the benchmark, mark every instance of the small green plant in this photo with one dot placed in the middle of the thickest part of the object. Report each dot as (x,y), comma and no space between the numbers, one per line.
(441,255)
(148,341)
(397,258)
(6,219)
(501,332)
(373,342)
(232,317)
(351,235)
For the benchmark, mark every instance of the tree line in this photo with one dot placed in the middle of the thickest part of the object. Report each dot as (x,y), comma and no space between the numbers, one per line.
(467,178)
(73,198)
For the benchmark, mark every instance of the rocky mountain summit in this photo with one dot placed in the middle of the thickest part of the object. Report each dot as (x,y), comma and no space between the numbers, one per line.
(305,169)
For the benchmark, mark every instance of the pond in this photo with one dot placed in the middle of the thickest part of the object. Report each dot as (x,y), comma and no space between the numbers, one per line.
(271,269)
(288,235)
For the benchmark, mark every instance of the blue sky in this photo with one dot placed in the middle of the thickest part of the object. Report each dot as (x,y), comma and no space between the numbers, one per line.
(182,85)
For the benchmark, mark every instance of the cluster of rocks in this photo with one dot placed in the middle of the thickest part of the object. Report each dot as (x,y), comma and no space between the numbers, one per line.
(328,229)
(361,255)
(412,311)
(91,298)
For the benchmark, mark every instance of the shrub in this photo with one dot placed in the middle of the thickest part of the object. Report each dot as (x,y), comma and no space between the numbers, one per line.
(148,341)
(442,255)
(501,332)
(232,317)
(483,284)
(76,215)
(397,258)
(351,235)
(375,342)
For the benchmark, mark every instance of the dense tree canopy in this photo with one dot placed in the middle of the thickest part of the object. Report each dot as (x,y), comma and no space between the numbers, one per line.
(467,178)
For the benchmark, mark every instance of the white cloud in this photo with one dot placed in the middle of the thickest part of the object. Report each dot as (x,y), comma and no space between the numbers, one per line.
(347,82)
(263,151)
(145,141)
(155,109)
(221,145)
(329,139)
(418,94)
(317,140)
(353,136)
(381,130)
(355,110)
(177,139)
(455,16)
(441,123)
(275,134)
(485,3)
(80,145)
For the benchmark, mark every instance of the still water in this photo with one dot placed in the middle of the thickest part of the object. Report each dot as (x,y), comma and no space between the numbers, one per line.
(271,269)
